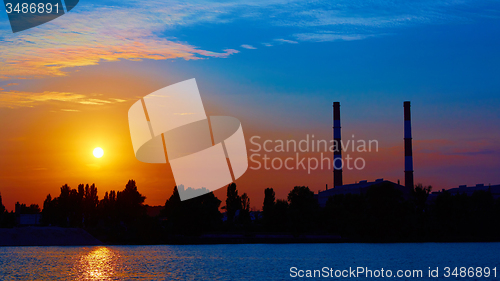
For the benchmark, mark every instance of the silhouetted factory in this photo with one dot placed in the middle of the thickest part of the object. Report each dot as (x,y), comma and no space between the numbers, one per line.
(469,190)
(362,187)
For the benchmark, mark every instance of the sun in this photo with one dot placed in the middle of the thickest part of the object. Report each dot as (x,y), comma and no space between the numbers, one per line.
(98,152)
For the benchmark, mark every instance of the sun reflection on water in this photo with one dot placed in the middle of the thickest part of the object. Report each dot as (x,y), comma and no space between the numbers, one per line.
(98,264)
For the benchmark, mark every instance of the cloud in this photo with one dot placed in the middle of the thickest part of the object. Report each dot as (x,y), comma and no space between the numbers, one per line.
(93,165)
(8,85)
(349,20)
(457,148)
(91,36)
(325,18)
(136,30)
(40,169)
(286,41)
(473,152)
(326,36)
(250,47)
(267,44)
(352,15)
(16,99)
(118,100)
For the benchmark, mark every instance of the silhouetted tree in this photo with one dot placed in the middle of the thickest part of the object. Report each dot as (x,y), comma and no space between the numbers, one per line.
(448,213)
(419,196)
(120,216)
(2,207)
(194,216)
(268,206)
(347,215)
(281,219)
(382,214)
(48,212)
(303,208)
(72,208)
(496,220)
(31,209)
(90,201)
(2,211)
(387,213)
(244,216)
(7,219)
(130,203)
(233,202)
(68,207)
(482,209)
(107,206)
(419,217)
(464,218)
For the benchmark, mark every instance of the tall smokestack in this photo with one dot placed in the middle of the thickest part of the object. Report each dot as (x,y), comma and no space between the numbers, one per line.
(337,153)
(408,147)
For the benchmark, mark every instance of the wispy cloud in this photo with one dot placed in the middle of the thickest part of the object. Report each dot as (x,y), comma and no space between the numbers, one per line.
(474,152)
(330,36)
(250,47)
(352,15)
(136,30)
(91,36)
(40,169)
(16,99)
(457,148)
(286,41)
(8,85)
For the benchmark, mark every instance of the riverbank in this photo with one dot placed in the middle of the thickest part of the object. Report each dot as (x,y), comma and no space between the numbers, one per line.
(252,239)
(46,236)
(59,236)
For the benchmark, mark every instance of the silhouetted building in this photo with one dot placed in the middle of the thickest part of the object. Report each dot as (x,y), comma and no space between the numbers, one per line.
(358,188)
(26,219)
(469,190)
(363,186)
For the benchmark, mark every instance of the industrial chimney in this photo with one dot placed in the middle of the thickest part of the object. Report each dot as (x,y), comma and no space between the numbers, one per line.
(408,147)
(337,153)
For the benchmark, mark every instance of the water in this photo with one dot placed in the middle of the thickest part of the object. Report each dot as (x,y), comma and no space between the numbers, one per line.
(240,262)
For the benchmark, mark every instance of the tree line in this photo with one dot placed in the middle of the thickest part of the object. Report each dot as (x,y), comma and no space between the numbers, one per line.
(382,214)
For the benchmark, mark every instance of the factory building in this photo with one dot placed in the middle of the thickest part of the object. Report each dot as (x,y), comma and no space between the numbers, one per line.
(358,188)
(468,190)
(363,186)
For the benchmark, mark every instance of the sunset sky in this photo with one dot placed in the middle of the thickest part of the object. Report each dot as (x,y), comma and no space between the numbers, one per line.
(277,66)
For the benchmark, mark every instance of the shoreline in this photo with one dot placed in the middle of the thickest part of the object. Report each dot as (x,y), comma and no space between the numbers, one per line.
(46,236)
(59,236)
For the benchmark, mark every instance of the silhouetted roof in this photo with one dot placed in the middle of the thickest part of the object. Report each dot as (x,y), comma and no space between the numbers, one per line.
(469,190)
(356,188)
